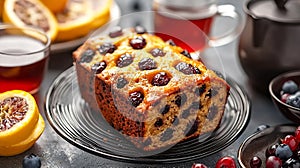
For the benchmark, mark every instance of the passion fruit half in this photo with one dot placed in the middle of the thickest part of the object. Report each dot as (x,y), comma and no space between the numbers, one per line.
(20,122)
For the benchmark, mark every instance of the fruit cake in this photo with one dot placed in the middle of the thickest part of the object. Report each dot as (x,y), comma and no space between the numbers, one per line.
(149,90)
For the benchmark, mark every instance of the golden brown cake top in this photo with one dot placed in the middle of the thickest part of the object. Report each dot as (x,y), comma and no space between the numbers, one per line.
(134,60)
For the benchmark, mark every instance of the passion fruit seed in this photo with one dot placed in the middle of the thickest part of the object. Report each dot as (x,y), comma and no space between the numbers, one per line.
(12,111)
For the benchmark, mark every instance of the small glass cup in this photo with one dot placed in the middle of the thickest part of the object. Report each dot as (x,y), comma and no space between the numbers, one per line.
(24,54)
(189,23)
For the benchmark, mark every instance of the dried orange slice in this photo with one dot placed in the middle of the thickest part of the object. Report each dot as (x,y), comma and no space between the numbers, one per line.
(20,122)
(30,13)
(80,17)
(55,5)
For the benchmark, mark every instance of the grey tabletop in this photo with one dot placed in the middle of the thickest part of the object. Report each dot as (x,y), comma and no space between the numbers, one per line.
(56,152)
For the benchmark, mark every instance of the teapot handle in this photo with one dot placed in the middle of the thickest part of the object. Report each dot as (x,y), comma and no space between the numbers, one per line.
(228,11)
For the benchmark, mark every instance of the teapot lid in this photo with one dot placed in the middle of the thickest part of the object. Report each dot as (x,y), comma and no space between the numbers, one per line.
(286,11)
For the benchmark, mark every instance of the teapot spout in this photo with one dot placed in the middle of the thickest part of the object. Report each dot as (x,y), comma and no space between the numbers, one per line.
(260,27)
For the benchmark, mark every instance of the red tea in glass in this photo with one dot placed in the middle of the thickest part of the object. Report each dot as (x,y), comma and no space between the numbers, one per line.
(23,59)
(186,24)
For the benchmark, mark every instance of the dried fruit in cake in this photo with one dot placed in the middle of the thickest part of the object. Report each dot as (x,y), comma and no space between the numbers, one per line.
(81,17)
(20,122)
(30,13)
(152,92)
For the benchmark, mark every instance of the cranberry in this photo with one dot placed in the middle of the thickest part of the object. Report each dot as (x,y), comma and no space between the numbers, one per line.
(271,150)
(147,64)
(136,98)
(289,87)
(187,68)
(125,60)
(226,162)
(284,97)
(291,141)
(186,53)
(273,162)
(115,32)
(160,79)
(140,30)
(107,48)
(297,134)
(87,56)
(199,165)
(98,67)
(121,82)
(138,42)
(255,162)
(157,52)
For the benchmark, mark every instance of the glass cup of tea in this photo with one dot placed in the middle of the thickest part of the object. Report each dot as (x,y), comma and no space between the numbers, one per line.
(189,23)
(24,54)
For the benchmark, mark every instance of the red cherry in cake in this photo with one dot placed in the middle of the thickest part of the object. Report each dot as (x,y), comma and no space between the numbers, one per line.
(107,48)
(115,32)
(160,79)
(226,162)
(125,60)
(187,68)
(138,42)
(98,67)
(157,52)
(147,64)
(136,98)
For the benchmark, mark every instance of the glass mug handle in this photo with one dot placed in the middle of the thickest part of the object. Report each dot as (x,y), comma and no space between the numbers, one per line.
(227,11)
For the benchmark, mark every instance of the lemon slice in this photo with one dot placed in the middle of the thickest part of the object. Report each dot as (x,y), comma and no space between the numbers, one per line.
(30,13)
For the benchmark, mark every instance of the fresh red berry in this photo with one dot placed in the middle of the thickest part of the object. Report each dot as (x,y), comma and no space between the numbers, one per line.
(226,162)
(284,97)
(297,134)
(199,165)
(273,162)
(291,141)
(255,162)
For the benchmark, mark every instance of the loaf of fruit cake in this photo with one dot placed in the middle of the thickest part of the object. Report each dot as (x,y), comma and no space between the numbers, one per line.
(149,90)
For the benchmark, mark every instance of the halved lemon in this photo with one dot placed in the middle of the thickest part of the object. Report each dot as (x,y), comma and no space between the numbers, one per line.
(30,13)
(55,5)
(20,121)
(80,17)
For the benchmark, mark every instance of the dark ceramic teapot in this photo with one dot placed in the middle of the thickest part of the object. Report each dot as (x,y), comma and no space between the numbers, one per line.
(270,41)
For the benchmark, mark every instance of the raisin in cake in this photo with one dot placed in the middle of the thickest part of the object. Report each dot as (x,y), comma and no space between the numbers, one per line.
(149,90)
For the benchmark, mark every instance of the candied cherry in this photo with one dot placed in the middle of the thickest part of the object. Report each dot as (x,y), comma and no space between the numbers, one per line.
(147,64)
(136,98)
(125,60)
(138,42)
(270,151)
(226,162)
(291,141)
(160,79)
(87,56)
(107,48)
(255,162)
(273,162)
(289,87)
(297,134)
(31,161)
(199,165)
(98,67)
(187,68)
(115,32)
(283,151)
(157,52)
